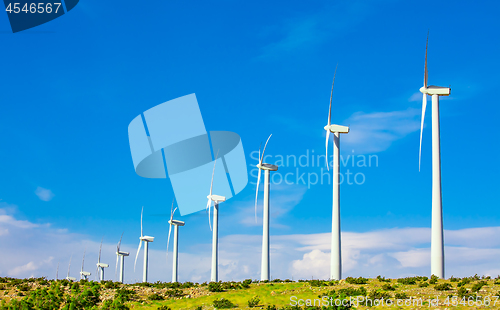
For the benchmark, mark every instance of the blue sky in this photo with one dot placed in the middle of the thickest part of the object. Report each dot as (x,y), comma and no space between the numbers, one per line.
(72,86)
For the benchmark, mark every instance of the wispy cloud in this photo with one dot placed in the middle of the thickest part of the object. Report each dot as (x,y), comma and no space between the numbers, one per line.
(375,132)
(44,194)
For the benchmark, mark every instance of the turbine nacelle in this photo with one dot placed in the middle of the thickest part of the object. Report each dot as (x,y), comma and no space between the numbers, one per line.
(176,223)
(147,238)
(269,167)
(85,273)
(337,128)
(435,90)
(122,253)
(216,198)
(71,278)
(102,265)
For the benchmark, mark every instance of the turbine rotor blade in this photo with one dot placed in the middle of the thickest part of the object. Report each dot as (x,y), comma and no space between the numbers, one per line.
(100,248)
(326,146)
(137,255)
(257,195)
(424,105)
(141,221)
(331,96)
(263,151)
(119,244)
(213,172)
(116,266)
(209,205)
(425,69)
(168,240)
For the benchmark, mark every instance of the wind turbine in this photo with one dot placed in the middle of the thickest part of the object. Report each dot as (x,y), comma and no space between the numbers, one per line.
(437,240)
(215,242)
(147,240)
(57,271)
(84,275)
(335,257)
(176,224)
(120,256)
(69,266)
(100,266)
(265,266)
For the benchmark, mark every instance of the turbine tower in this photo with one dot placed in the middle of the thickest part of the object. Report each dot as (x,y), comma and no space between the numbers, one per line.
(100,266)
(265,265)
(69,267)
(214,277)
(120,256)
(176,225)
(437,239)
(147,240)
(336,256)
(84,275)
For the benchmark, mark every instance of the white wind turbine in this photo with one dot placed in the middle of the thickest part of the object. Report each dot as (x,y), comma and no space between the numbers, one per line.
(57,271)
(100,266)
(265,265)
(176,224)
(336,256)
(147,240)
(120,255)
(84,275)
(437,240)
(69,267)
(215,242)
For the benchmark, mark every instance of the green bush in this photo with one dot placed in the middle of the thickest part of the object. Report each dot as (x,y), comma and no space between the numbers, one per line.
(383,279)
(409,280)
(359,280)
(254,301)
(174,293)
(320,283)
(125,294)
(400,296)
(433,279)
(463,292)
(24,287)
(215,287)
(443,286)
(423,284)
(155,296)
(388,287)
(453,279)
(271,307)
(222,303)
(477,286)
(351,291)
(246,283)
(163,307)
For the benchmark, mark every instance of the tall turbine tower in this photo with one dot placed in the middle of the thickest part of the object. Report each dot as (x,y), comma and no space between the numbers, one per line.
(69,267)
(265,265)
(336,256)
(437,240)
(100,266)
(176,225)
(120,256)
(147,240)
(84,275)
(214,276)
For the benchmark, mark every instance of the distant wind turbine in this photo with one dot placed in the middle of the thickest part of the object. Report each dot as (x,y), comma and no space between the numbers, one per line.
(176,225)
(57,271)
(120,255)
(146,240)
(265,264)
(100,266)
(437,240)
(336,257)
(84,275)
(69,267)
(215,242)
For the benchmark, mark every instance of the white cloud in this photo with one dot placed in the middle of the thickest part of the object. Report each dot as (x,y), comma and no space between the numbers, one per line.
(38,248)
(44,194)
(375,132)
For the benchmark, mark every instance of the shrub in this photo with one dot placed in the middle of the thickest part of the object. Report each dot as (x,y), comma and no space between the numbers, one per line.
(453,279)
(271,307)
(246,283)
(388,287)
(155,296)
(433,279)
(24,287)
(443,287)
(222,303)
(188,285)
(423,284)
(174,293)
(463,292)
(408,280)
(164,307)
(125,294)
(400,296)
(477,286)
(215,287)
(319,283)
(383,279)
(359,280)
(254,301)
(379,295)
(350,291)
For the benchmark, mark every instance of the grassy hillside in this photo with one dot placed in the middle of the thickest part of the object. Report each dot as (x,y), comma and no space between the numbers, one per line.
(359,293)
